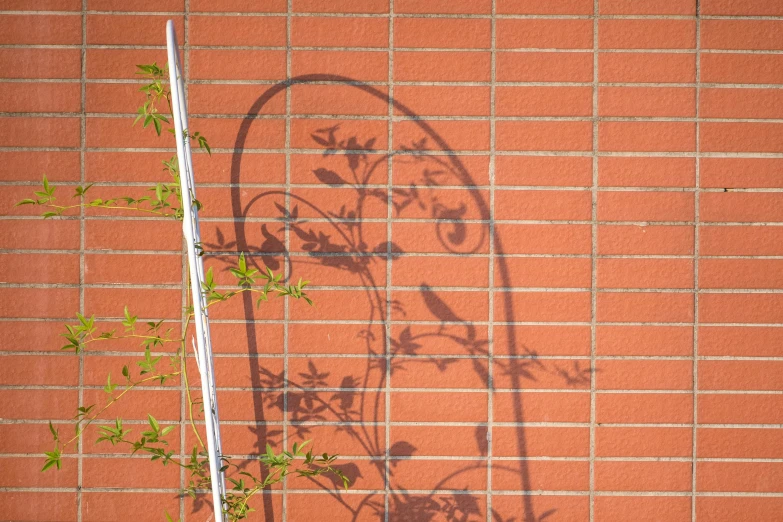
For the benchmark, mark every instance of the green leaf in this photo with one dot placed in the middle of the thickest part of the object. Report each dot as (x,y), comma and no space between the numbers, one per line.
(109,388)
(54,432)
(27,202)
(153,423)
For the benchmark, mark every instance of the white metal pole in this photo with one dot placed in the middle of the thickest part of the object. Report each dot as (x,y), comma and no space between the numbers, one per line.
(190,229)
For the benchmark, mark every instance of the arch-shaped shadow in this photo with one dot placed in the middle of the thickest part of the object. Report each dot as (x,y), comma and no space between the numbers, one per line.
(450,231)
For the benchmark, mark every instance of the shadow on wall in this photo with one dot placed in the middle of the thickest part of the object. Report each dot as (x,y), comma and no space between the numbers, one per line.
(342,239)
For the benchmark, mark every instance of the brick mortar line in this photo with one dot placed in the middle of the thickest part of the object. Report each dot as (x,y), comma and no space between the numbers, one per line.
(491,233)
(184,264)
(593,262)
(287,239)
(82,244)
(656,50)
(389,276)
(390,14)
(416,83)
(696,230)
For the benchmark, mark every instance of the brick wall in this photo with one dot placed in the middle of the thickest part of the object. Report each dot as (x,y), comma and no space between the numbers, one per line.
(544,239)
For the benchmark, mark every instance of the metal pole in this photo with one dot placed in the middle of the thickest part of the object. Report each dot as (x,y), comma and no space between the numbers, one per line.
(190,229)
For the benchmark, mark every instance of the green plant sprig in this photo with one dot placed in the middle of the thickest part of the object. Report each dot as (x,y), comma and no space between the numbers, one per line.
(166,201)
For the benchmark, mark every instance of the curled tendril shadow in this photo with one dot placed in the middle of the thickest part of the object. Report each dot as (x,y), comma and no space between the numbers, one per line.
(345,248)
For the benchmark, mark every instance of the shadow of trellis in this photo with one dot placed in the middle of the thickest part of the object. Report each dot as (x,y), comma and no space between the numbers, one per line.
(344,245)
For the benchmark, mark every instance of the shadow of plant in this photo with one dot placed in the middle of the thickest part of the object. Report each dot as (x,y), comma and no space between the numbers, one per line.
(338,240)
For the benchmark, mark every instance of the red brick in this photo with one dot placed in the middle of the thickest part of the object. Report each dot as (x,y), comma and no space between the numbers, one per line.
(129,29)
(740,341)
(42,235)
(39,132)
(302,131)
(662,7)
(543,67)
(642,476)
(239,31)
(336,99)
(38,302)
(740,409)
(564,7)
(543,239)
(619,171)
(48,97)
(741,68)
(739,375)
(444,7)
(143,507)
(740,240)
(647,67)
(741,137)
(727,443)
(761,477)
(121,63)
(442,100)
(647,136)
(29,166)
(740,207)
(61,507)
(36,369)
(38,404)
(441,33)
(741,273)
(43,5)
(40,63)
(567,374)
(643,442)
(739,172)
(457,135)
(645,307)
(741,34)
(646,34)
(41,29)
(650,239)
(224,64)
(39,268)
(642,509)
(437,305)
(461,170)
(645,408)
(233,6)
(547,475)
(541,272)
(517,406)
(541,340)
(734,508)
(438,372)
(740,308)
(440,271)
(339,32)
(543,205)
(644,340)
(566,171)
(544,135)
(441,66)
(359,65)
(543,101)
(439,441)
(645,273)
(645,206)
(644,375)
(544,34)
(135,5)
(569,507)
(647,101)
(740,103)
(542,442)
(438,407)
(340,6)
(543,306)
(742,7)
